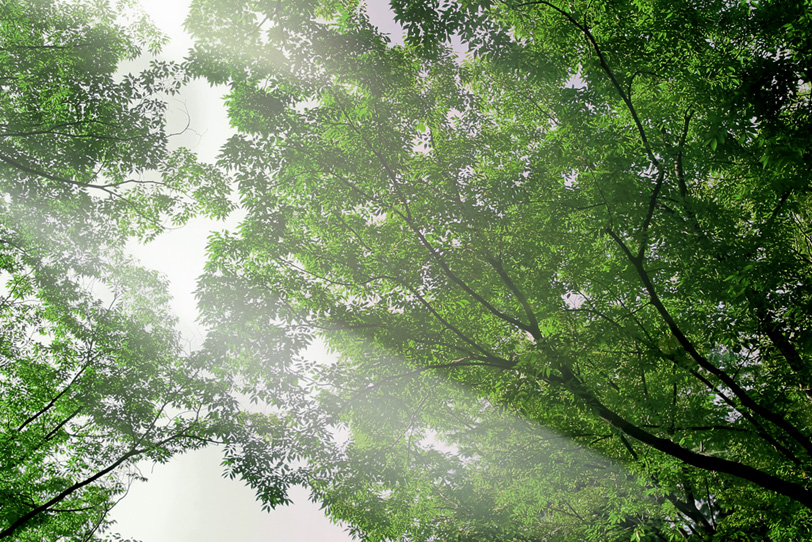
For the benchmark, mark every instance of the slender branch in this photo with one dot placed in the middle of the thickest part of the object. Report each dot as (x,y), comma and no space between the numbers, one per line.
(781,202)
(779,340)
(520,297)
(103,187)
(408,219)
(44,174)
(28,516)
(462,362)
(708,384)
(62,424)
(608,71)
(51,403)
(760,430)
(689,509)
(683,186)
(448,324)
(412,419)
(628,446)
(652,204)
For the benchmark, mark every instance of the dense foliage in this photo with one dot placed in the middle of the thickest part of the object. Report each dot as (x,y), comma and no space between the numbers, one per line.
(566,273)
(597,223)
(93,374)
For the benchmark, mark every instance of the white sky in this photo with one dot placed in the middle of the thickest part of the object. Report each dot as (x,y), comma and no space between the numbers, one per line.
(187,500)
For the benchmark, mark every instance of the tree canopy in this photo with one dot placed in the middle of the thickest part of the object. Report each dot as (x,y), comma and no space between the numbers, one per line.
(597,220)
(564,267)
(93,375)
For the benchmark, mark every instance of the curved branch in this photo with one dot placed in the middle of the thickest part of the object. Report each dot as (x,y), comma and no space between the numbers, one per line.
(776,419)
(103,187)
(702,461)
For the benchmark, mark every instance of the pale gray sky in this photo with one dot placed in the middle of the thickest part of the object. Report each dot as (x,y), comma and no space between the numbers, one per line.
(187,500)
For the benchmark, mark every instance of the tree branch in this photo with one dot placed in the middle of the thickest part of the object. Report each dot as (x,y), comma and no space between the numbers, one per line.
(702,461)
(775,418)
(608,71)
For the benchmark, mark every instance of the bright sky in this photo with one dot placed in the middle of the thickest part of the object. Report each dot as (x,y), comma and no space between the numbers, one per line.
(187,500)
